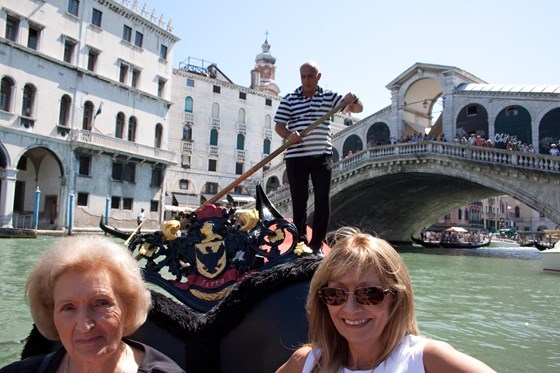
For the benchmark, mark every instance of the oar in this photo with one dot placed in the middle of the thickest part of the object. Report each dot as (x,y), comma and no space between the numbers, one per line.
(274,154)
(134,233)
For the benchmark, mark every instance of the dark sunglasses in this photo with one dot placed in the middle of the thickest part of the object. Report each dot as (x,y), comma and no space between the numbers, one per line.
(367,296)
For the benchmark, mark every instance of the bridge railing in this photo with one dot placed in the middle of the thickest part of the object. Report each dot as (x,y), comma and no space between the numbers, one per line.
(480,154)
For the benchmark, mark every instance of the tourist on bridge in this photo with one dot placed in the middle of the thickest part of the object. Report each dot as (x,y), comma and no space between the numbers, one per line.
(554,150)
(310,156)
(361,315)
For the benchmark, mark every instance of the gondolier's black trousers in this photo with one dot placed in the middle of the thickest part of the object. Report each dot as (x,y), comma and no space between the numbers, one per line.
(298,171)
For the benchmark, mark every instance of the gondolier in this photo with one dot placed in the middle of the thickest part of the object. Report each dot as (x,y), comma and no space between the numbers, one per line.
(310,156)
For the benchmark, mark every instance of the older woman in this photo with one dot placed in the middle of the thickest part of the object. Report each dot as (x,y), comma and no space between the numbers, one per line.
(361,316)
(88,292)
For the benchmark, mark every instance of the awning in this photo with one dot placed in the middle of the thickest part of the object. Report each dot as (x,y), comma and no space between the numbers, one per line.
(240,198)
(181,199)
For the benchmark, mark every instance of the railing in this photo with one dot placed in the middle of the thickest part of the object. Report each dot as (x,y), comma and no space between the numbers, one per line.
(189,117)
(240,155)
(504,157)
(241,127)
(215,122)
(187,146)
(22,221)
(122,146)
(213,149)
(267,132)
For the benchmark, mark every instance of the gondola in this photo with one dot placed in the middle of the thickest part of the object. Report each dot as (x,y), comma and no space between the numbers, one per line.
(247,315)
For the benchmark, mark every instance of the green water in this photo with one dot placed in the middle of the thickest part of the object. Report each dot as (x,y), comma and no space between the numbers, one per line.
(492,305)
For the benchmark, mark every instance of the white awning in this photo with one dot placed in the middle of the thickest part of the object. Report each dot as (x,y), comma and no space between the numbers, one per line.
(180,199)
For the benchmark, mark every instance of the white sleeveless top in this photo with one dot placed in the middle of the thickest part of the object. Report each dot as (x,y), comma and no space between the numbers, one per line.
(407,357)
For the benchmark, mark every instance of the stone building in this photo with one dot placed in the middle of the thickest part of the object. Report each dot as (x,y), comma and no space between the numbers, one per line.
(85,95)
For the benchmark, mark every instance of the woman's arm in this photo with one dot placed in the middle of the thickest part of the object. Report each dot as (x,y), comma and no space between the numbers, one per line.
(441,357)
(296,362)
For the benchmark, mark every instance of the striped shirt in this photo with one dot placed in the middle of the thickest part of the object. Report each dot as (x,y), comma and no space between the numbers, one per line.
(298,112)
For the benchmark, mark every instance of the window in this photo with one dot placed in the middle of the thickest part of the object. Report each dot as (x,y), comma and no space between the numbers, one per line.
(73,6)
(212,164)
(82,199)
(132,129)
(119,125)
(214,137)
(158,135)
(92,59)
(135,77)
(163,52)
(190,83)
(28,103)
(64,113)
(471,110)
(188,104)
(123,72)
(268,102)
(266,146)
(6,89)
(239,168)
(87,119)
(139,39)
(84,165)
(240,142)
(184,184)
(185,161)
(127,33)
(127,203)
(33,37)
(512,111)
(115,202)
(157,177)
(161,87)
(154,206)
(241,116)
(243,95)
(12,28)
(96,16)
(212,188)
(187,132)
(216,89)
(69,46)
(123,171)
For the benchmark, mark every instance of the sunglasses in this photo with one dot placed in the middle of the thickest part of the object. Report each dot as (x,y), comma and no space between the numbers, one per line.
(367,296)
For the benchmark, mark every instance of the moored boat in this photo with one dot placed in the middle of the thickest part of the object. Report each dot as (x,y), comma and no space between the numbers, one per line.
(551,259)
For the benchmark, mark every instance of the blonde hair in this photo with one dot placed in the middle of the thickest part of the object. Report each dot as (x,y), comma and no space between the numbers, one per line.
(82,253)
(361,253)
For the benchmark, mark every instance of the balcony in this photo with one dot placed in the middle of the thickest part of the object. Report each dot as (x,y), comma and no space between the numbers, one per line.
(267,132)
(215,122)
(188,117)
(110,145)
(240,155)
(241,128)
(186,146)
(213,149)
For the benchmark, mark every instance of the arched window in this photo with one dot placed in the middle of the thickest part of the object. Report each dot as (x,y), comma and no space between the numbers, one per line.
(214,137)
(188,104)
(187,132)
(267,121)
(6,89)
(240,142)
(241,116)
(158,135)
(132,123)
(64,113)
(266,146)
(87,120)
(119,125)
(215,110)
(28,103)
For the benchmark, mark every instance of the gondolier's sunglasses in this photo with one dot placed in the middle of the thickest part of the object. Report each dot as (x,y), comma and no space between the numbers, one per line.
(368,296)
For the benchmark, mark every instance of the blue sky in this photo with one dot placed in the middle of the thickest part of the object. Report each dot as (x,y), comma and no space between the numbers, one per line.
(362,45)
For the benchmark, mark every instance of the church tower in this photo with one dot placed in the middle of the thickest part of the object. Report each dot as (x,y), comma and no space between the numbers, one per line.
(262,76)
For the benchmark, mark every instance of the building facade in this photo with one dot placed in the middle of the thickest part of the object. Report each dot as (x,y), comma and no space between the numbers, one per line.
(85,96)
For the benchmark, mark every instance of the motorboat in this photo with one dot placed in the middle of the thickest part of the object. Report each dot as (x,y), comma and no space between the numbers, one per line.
(551,259)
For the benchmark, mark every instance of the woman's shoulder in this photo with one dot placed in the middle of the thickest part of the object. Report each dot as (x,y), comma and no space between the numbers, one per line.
(440,356)
(39,363)
(296,362)
(155,361)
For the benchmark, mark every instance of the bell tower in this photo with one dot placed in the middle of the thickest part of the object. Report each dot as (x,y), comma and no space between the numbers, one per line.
(262,76)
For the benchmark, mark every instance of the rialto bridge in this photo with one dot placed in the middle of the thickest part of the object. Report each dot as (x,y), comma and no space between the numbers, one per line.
(396,190)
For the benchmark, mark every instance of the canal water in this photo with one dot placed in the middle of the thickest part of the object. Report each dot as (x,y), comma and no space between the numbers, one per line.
(495,304)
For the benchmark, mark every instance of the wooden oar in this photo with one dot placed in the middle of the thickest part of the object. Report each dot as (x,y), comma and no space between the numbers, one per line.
(274,154)
(134,233)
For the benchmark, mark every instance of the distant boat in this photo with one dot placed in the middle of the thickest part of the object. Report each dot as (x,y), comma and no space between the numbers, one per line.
(451,245)
(503,242)
(551,259)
